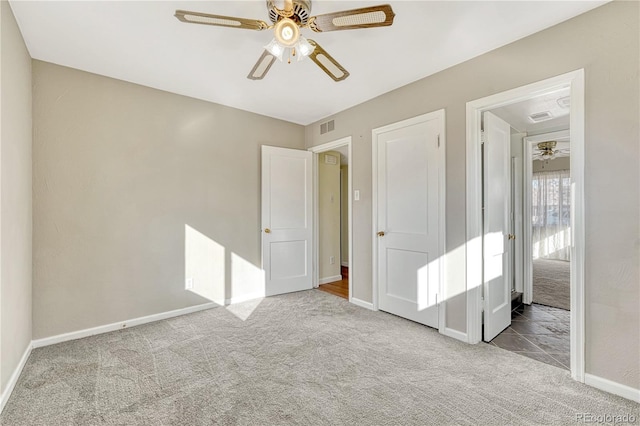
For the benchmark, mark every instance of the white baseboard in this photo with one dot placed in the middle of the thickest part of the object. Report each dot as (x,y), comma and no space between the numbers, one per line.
(362,303)
(329,279)
(612,387)
(345,264)
(246,298)
(4,397)
(119,325)
(455,334)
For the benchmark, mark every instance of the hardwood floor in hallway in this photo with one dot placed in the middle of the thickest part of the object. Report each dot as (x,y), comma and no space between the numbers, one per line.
(338,288)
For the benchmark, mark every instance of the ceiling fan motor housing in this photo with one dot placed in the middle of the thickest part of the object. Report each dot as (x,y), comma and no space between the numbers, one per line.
(301,11)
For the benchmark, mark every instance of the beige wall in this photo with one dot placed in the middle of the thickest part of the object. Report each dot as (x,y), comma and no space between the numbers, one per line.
(329,215)
(605,43)
(15,196)
(562,163)
(344,213)
(123,174)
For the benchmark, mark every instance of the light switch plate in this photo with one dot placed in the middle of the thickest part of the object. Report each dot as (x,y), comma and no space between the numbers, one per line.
(356,195)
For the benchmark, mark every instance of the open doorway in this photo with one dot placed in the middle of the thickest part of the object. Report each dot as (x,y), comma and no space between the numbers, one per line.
(332,196)
(539,229)
(495,265)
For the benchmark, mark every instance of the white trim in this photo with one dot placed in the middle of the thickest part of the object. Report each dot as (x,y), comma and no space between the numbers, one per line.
(574,80)
(4,398)
(328,280)
(458,335)
(316,232)
(374,220)
(473,246)
(529,143)
(442,201)
(442,193)
(577,267)
(527,252)
(362,303)
(612,387)
(345,264)
(120,325)
(516,221)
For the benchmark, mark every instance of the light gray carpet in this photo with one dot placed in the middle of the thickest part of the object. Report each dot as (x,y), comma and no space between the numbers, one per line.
(306,358)
(551,283)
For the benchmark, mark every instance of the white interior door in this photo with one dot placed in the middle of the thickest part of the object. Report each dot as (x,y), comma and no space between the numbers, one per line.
(287,226)
(497,206)
(410,239)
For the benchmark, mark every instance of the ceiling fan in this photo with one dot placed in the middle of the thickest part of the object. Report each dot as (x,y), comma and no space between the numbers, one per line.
(547,151)
(288,22)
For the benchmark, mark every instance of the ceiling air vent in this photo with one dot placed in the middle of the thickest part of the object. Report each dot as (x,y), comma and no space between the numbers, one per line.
(540,116)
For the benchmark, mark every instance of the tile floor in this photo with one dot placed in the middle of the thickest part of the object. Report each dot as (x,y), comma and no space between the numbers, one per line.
(539,332)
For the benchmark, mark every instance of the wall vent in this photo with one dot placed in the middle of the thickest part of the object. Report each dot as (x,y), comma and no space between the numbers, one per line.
(329,126)
(330,159)
(540,116)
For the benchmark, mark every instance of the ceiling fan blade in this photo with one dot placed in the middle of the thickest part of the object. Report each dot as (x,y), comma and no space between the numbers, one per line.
(261,68)
(367,17)
(327,63)
(220,21)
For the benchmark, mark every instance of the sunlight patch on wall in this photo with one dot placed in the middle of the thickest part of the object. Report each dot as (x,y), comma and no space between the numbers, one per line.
(204,266)
(247,280)
(247,287)
(428,284)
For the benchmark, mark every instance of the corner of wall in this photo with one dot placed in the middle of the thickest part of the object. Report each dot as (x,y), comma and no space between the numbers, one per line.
(16,224)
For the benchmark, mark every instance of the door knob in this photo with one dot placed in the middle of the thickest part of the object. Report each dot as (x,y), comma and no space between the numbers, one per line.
(512,237)
(267,231)
(381,234)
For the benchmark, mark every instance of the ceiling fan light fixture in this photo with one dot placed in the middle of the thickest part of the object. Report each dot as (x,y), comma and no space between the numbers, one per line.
(547,150)
(275,48)
(287,25)
(548,155)
(287,32)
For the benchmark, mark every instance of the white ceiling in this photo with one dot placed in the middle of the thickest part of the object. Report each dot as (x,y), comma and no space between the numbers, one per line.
(517,115)
(142,42)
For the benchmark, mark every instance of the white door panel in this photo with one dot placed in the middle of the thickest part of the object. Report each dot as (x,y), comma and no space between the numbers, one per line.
(286,219)
(408,167)
(497,204)
(288,197)
(406,195)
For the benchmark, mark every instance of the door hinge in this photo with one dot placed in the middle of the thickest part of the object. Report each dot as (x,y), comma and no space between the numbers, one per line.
(481,304)
(483,137)
(438,141)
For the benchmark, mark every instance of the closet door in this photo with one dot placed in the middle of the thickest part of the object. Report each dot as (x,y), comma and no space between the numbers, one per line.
(409,175)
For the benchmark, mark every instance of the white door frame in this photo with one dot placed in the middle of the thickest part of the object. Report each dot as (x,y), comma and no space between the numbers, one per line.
(316,150)
(529,144)
(574,80)
(442,201)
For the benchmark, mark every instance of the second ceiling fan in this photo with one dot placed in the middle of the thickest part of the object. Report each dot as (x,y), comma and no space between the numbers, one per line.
(288,22)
